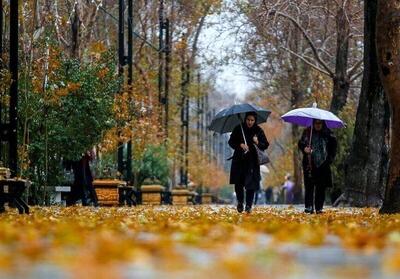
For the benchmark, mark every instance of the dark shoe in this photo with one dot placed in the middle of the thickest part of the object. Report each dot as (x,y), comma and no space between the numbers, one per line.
(248,209)
(309,210)
(240,207)
(319,211)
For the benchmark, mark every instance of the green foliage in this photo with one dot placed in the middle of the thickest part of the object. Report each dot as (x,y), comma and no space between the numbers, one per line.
(106,167)
(153,165)
(66,119)
(82,116)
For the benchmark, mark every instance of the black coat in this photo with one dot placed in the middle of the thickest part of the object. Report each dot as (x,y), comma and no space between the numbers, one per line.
(321,175)
(245,169)
(83,181)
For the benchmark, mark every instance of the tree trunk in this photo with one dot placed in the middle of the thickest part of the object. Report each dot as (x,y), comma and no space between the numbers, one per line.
(366,168)
(75,28)
(298,77)
(388,45)
(341,82)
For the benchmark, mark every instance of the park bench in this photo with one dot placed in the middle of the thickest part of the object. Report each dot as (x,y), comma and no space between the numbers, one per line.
(58,193)
(11,191)
(125,193)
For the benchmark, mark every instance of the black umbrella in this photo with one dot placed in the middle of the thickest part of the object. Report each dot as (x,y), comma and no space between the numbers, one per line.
(227,119)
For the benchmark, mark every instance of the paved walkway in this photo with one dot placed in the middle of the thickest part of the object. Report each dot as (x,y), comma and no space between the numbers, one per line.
(199,242)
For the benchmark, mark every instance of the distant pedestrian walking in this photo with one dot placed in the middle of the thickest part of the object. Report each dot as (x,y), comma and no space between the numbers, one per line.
(257,197)
(288,186)
(319,150)
(245,170)
(268,195)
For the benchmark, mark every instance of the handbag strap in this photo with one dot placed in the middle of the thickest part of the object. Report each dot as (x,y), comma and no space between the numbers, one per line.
(244,137)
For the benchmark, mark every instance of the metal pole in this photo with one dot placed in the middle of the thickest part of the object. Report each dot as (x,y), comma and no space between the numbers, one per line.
(1,27)
(198,110)
(121,37)
(13,153)
(182,178)
(213,139)
(130,42)
(161,51)
(130,80)
(203,124)
(1,66)
(187,126)
(208,134)
(167,74)
(121,63)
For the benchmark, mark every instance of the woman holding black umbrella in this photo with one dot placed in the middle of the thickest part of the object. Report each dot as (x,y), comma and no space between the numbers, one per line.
(245,169)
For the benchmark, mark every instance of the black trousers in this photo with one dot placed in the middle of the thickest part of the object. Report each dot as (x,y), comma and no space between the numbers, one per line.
(84,193)
(75,194)
(314,193)
(239,189)
(89,193)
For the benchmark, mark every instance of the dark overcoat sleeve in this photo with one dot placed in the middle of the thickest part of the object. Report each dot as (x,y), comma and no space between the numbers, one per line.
(262,140)
(303,142)
(236,138)
(332,148)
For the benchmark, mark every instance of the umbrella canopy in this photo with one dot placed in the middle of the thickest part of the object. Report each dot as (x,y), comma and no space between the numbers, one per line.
(305,116)
(227,119)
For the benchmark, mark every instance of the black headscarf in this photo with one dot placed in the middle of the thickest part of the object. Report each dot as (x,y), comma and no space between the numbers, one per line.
(250,132)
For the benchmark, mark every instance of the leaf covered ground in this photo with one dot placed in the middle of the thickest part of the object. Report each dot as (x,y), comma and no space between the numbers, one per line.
(198,242)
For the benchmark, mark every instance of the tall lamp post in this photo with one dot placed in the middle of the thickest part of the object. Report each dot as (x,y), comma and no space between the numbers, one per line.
(121,63)
(13,66)
(130,80)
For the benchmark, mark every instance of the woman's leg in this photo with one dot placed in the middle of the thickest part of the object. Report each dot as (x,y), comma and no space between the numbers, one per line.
(309,193)
(255,197)
(93,195)
(239,190)
(249,198)
(319,197)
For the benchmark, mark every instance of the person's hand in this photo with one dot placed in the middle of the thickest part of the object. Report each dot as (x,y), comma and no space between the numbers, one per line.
(308,150)
(244,147)
(255,139)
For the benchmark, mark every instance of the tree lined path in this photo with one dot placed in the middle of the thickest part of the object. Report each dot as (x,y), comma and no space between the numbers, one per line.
(131,87)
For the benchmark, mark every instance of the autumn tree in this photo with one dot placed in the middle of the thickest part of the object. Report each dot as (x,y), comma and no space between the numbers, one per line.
(61,36)
(305,51)
(313,20)
(388,43)
(366,170)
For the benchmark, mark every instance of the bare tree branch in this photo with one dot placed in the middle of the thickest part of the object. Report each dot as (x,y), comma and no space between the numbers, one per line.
(309,41)
(356,76)
(308,62)
(352,70)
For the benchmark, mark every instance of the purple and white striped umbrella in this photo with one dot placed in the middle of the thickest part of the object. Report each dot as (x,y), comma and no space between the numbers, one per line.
(305,116)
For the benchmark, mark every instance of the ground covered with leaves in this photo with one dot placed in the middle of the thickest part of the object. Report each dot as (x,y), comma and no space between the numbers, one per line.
(198,242)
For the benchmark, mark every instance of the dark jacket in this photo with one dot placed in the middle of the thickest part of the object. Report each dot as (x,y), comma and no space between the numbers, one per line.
(245,169)
(82,173)
(321,175)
